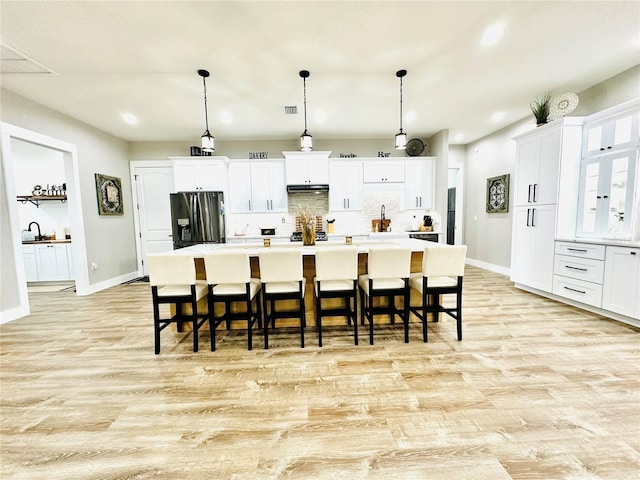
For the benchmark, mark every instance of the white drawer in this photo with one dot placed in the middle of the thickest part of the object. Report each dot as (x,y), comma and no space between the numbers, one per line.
(579,290)
(580,268)
(586,250)
(29,249)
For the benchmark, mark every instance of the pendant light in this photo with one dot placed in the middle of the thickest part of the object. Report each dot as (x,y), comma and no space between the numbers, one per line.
(306,141)
(208,143)
(401,136)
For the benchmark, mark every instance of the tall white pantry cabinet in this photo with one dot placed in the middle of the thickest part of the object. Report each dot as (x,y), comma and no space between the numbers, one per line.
(547,168)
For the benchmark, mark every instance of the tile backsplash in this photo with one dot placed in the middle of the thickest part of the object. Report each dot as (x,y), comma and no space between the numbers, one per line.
(346,223)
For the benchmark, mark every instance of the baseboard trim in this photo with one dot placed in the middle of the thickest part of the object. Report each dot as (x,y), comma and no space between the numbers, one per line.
(605,313)
(12,314)
(489,266)
(112,282)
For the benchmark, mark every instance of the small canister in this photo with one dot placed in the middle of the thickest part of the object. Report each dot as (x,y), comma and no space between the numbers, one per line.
(348,240)
(267,242)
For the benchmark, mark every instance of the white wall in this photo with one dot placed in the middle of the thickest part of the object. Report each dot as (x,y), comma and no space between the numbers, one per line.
(110,240)
(488,236)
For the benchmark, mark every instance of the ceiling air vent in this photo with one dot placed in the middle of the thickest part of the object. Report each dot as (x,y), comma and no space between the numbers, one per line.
(290,110)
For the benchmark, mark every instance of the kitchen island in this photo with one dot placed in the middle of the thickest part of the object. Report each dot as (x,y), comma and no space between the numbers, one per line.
(308,256)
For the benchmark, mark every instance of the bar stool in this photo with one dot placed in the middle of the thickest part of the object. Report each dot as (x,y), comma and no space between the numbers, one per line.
(387,276)
(173,281)
(229,281)
(337,277)
(282,279)
(442,273)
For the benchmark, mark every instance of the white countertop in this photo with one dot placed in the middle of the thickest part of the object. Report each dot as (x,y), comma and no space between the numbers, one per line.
(254,248)
(613,242)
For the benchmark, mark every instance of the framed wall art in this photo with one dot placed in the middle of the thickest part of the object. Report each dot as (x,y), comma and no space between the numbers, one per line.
(498,194)
(109,192)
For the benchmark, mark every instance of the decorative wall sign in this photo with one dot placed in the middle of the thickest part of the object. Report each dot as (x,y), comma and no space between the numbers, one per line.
(109,192)
(498,194)
(258,155)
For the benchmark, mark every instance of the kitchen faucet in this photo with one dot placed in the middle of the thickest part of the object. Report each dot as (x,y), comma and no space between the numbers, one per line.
(39,237)
(382,218)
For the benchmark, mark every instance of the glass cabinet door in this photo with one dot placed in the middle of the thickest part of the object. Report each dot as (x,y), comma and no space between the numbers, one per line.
(606,196)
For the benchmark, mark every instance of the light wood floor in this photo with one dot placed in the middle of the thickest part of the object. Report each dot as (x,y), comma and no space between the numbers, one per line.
(536,390)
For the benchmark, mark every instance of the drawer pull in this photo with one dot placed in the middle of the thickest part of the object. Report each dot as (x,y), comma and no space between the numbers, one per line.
(575,268)
(633,253)
(576,250)
(575,290)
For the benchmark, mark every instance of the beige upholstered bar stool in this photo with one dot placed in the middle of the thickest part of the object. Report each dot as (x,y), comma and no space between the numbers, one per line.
(442,274)
(388,270)
(229,281)
(173,281)
(337,277)
(282,279)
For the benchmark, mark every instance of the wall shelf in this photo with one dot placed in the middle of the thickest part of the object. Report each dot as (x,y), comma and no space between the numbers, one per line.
(36,199)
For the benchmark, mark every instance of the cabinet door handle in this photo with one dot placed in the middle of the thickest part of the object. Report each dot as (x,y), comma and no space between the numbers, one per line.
(632,253)
(420,201)
(574,290)
(575,268)
(581,250)
(249,205)
(529,194)
(348,203)
(528,214)
(533,217)
(535,192)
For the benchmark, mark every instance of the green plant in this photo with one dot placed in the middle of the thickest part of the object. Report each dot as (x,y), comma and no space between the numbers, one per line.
(540,108)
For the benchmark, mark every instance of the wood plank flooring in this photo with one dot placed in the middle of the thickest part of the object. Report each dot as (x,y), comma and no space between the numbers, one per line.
(536,390)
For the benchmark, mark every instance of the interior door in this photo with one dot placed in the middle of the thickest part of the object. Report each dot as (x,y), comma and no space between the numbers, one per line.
(153,186)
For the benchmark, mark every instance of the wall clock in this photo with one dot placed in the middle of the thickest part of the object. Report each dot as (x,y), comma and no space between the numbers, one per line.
(415,147)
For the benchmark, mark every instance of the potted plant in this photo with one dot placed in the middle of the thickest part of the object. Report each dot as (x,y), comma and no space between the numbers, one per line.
(540,108)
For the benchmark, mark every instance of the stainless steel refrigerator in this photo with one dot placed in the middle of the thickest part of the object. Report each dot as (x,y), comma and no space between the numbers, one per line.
(197,217)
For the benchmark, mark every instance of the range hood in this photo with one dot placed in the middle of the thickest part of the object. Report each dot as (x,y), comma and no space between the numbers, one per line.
(308,188)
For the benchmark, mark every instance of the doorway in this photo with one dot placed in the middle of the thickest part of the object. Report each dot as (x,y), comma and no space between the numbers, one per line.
(15,301)
(454,204)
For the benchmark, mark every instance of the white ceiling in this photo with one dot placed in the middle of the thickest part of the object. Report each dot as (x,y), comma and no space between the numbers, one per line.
(141,57)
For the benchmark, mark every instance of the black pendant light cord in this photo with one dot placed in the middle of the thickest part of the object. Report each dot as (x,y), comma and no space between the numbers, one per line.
(304,83)
(400,74)
(400,103)
(206,116)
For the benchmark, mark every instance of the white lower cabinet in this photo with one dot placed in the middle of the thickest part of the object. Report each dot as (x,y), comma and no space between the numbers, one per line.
(30,263)
(621,286)
(533,246)
(48,262)
(579,271)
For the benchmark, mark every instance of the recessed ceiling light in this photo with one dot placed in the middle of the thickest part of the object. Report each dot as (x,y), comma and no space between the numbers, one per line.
(493,34)
(496,117)
(130,118)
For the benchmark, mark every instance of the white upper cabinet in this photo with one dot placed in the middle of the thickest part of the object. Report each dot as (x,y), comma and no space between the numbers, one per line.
(419,183)
(345,185)
(307,168)
(607,186)
(257,187)
(383,170)
(617,132)
(538,160)
(199,173)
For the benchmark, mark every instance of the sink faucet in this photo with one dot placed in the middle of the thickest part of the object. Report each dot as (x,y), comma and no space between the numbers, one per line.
(39,237)
(382,218)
